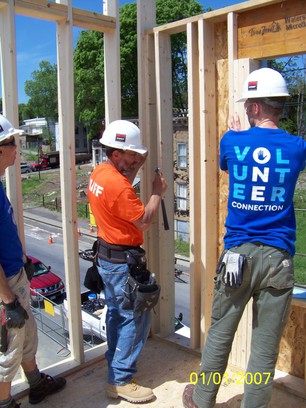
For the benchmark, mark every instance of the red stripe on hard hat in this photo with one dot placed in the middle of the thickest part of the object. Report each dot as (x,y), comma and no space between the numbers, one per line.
(120,137)
(252,86)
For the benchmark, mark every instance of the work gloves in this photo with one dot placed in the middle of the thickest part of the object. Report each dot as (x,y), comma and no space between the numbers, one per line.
(231,266)
(15,315)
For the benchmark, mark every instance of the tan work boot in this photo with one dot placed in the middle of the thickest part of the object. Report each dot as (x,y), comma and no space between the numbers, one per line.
(132,392)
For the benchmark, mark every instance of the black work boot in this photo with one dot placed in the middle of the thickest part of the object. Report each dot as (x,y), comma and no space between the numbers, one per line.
(48,385)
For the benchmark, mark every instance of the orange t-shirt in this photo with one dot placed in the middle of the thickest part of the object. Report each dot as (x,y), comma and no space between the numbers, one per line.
(115,206)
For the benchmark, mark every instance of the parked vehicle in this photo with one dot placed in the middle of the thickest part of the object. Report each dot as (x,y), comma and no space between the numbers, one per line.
(46,161)
(94,309)
(52,160)
(93,315)
(45,283)
(25,168)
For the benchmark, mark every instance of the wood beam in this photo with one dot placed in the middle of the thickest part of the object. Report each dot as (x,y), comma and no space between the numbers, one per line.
(194,166)
(209,169)
(215,16)
(56,12)
(10,108)
(165,161)
(68,182)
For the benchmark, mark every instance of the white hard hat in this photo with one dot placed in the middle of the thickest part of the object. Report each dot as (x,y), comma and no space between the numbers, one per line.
(264,83)
(7,129)
(123,135)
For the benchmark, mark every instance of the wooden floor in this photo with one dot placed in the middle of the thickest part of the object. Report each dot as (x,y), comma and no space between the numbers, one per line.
(166,369)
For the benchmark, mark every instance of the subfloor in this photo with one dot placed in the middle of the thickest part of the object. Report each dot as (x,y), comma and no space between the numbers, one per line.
(167,369)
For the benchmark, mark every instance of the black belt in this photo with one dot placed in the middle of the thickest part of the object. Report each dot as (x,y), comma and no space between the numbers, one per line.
(113,253)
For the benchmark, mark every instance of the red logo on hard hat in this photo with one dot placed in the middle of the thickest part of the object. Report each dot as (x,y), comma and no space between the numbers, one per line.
(120,137)
(252,86)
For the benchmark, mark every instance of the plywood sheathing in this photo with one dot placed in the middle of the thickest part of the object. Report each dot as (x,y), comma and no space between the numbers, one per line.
(273,30)
(292,348)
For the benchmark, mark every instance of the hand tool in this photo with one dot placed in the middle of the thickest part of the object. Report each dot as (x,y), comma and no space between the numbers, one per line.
(3,345)
(163,207)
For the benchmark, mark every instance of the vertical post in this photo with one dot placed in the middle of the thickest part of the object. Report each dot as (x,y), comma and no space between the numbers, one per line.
(10,106)
(209,168)
(68,179)
(146,19)
(165,161)
(194,165)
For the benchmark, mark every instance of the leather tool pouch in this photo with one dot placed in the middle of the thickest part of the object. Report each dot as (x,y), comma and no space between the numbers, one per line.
(93,280)
(141,292)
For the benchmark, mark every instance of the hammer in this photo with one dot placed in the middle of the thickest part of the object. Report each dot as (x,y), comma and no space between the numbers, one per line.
(3,345)
(163,207)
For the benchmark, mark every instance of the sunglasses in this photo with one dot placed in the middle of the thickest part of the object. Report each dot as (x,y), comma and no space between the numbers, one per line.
(11,143)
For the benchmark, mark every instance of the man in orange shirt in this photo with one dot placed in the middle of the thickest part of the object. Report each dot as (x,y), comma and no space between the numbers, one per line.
(121,218)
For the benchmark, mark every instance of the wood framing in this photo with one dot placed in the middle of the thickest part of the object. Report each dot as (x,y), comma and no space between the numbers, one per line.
(209,166)
(194,151)
(56,12)
(68,180)
(280,30)
(164,147)
(9,97)
(223,46)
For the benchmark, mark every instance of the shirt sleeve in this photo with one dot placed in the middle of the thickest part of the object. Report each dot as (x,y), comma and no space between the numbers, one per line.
(222,157)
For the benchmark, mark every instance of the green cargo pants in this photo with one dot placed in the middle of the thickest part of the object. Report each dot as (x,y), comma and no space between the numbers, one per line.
(268,280)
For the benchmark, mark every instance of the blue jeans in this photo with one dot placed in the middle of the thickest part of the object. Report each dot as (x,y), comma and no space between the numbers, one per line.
(268,279)
(126,331)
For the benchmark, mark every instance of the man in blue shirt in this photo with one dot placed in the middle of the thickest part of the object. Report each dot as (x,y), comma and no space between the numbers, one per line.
(18,328)
(263,164)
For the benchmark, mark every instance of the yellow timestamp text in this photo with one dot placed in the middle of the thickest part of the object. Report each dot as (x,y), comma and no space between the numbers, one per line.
(216,378)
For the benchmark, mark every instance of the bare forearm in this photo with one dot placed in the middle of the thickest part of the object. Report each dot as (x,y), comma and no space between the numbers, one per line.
(6,294)
(151,209)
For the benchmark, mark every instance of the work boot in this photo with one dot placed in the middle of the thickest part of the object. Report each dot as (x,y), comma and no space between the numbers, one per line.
(187,398)
(131,392)
(47,385)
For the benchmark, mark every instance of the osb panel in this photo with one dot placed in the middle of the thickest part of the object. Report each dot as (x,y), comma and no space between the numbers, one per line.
(270,31)
(292,348)
(221,51)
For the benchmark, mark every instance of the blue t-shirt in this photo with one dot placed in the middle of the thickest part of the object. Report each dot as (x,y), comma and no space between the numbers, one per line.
(263,166)
(11,253)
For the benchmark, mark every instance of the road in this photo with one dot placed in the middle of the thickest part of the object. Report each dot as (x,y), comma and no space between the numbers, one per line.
(37,244)
(37,236)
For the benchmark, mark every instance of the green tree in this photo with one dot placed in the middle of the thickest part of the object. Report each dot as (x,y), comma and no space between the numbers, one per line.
(166,12)
(295,109)
(89,70)
(25,112)
(42,90)
(89,81)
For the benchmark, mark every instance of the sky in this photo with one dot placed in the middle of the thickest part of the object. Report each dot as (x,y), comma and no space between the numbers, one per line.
(36,39)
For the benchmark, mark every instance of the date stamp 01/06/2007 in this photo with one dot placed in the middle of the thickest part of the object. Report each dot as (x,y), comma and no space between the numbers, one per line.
(228,378)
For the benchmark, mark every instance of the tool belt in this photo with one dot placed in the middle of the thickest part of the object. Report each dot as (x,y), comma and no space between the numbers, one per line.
(114,253)
(141,292)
